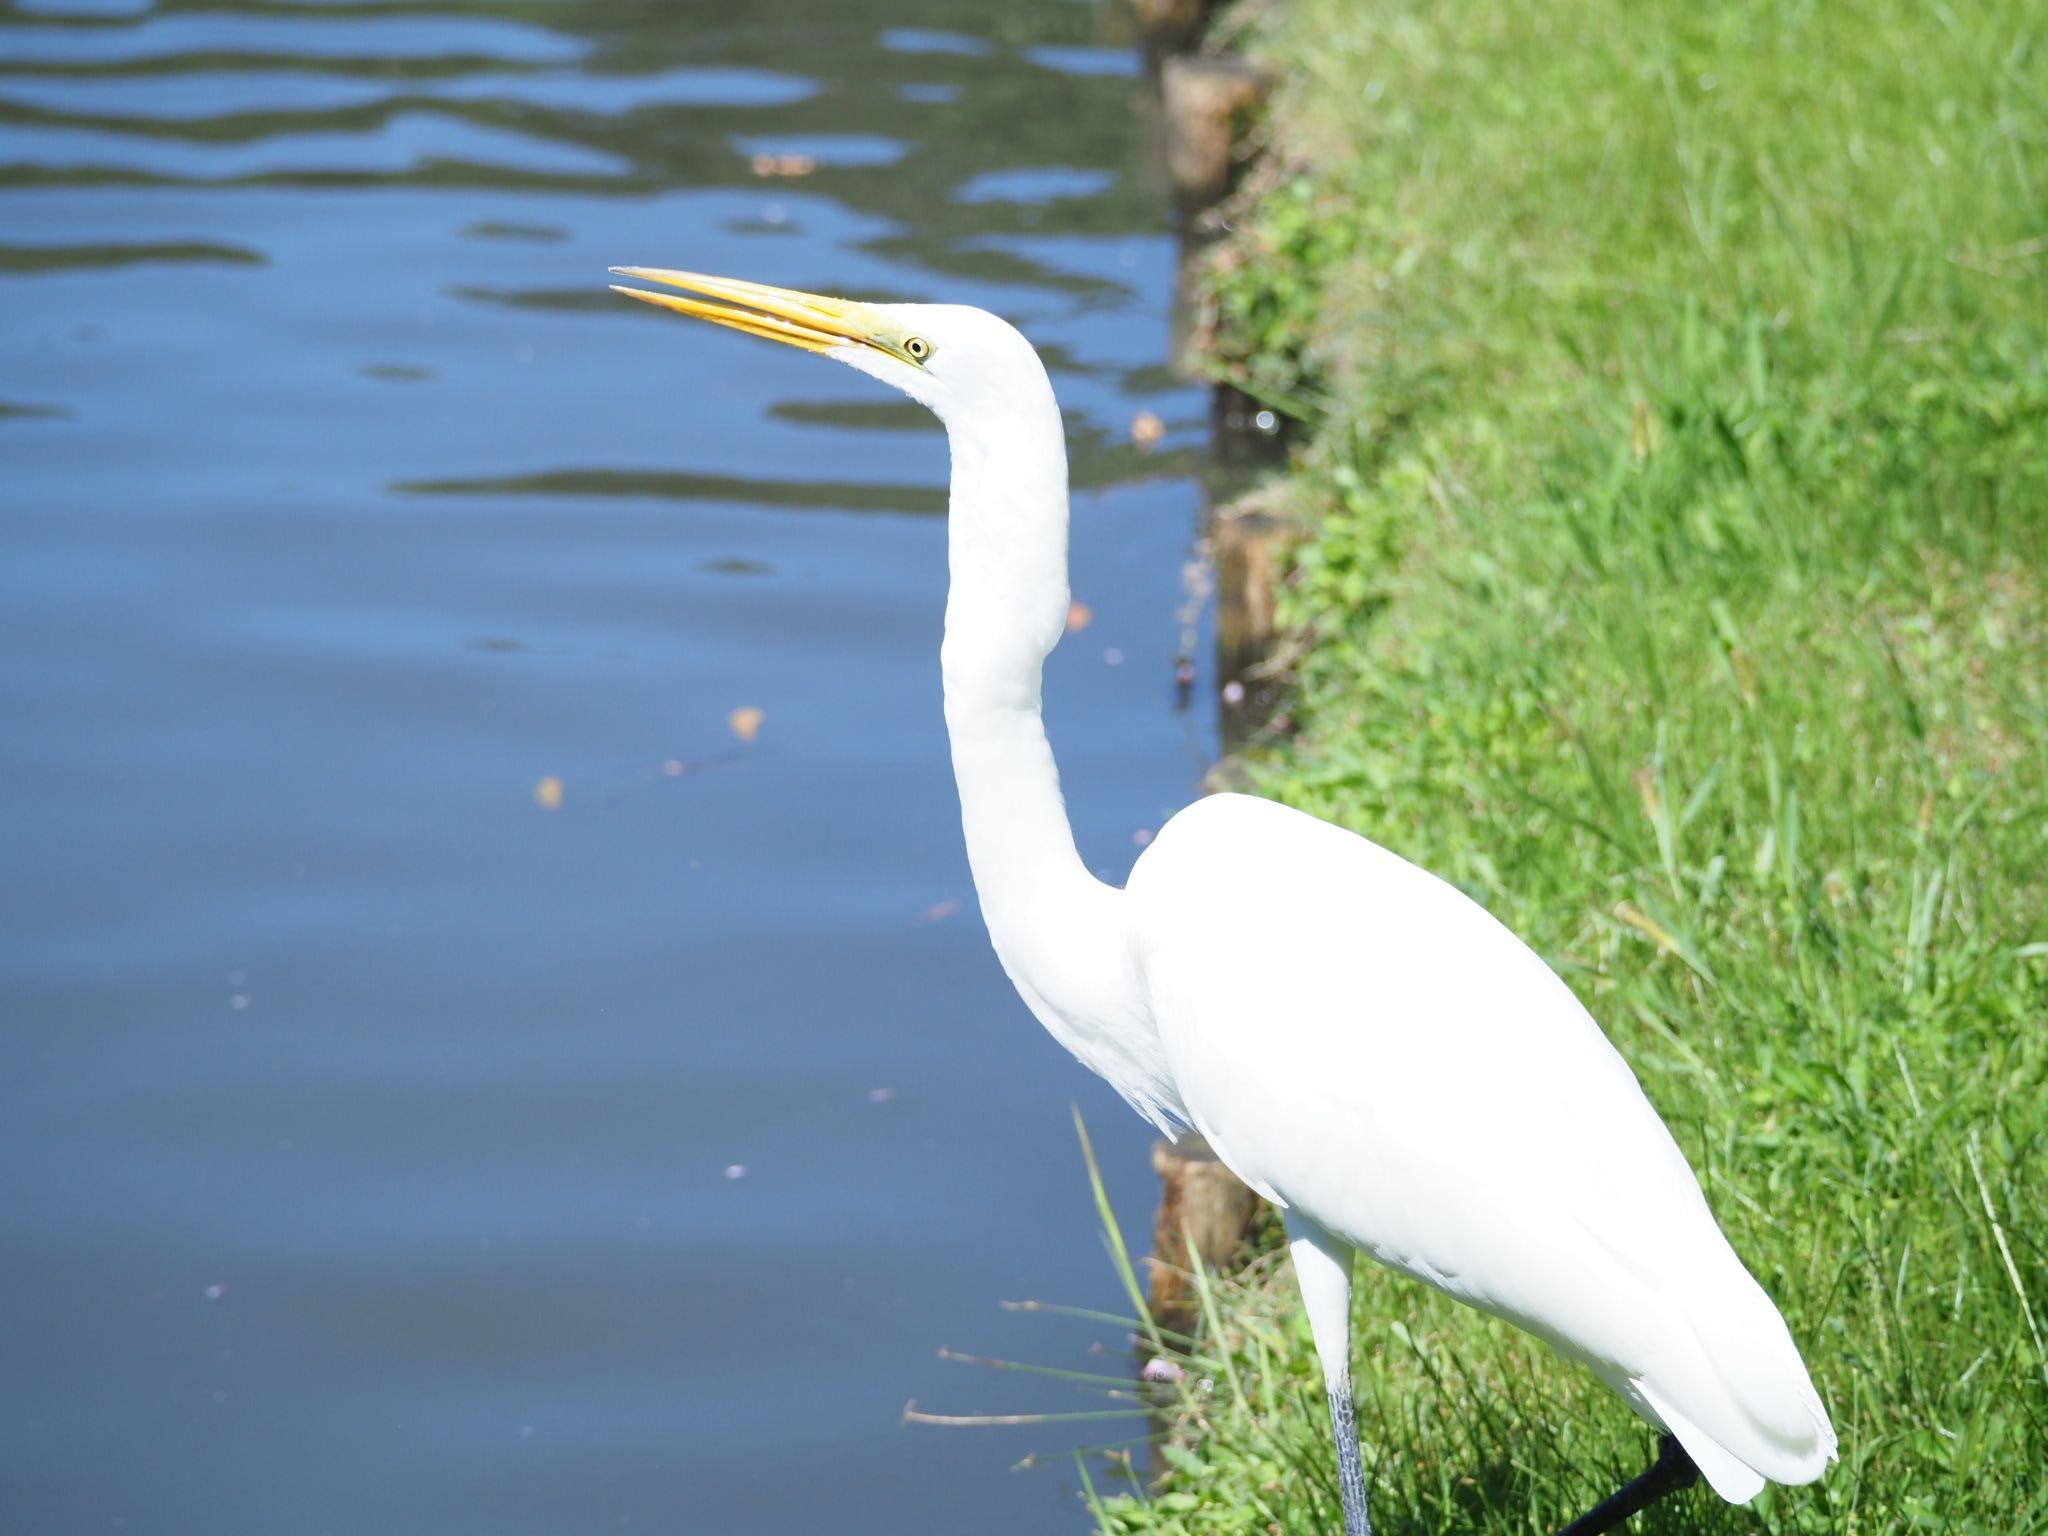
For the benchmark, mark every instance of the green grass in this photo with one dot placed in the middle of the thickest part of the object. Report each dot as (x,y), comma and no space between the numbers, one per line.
(1678,499)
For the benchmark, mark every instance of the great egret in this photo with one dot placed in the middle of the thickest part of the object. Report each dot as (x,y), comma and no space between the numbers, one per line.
(1360,1042)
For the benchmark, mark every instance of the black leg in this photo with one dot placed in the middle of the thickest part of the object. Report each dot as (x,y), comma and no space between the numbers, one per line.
(1671,1471)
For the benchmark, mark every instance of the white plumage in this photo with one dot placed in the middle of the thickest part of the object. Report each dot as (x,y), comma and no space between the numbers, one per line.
(1358,1040)
(1367,1047)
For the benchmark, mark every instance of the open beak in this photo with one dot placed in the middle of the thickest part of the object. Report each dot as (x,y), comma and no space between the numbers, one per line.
(807,320)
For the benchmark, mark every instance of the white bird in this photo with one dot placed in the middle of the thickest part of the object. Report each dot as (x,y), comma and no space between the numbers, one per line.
(1359,1041)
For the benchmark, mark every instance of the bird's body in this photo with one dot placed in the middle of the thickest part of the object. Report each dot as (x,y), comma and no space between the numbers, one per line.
(1358,1040)
(1370,1049)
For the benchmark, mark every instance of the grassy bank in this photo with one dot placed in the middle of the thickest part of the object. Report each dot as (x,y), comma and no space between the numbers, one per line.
(1678,497)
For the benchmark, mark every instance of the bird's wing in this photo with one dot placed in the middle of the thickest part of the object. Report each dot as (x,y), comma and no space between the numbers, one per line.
(1360,1040)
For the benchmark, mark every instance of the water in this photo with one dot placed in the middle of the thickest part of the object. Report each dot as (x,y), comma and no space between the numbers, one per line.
(380,1150)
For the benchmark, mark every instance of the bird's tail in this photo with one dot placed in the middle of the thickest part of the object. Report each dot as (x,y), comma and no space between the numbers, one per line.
(1735,1391)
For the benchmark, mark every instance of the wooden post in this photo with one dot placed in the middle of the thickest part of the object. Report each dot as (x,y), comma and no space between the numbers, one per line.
(1170,26)
(1205,97)
(1205,1211)
(1184,354)
(1199,1198)
(1249,539)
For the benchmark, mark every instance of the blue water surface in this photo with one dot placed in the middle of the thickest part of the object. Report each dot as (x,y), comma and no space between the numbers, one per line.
(381,1149)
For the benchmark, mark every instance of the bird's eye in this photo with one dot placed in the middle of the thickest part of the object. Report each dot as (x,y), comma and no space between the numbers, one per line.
(917,349)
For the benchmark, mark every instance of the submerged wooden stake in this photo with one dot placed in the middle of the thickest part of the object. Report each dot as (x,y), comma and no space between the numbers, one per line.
(1198,1198)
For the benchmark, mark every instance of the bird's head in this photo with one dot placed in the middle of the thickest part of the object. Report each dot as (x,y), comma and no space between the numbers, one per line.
(967,365)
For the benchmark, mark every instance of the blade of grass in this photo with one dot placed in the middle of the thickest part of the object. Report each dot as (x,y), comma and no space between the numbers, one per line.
(1114,1237)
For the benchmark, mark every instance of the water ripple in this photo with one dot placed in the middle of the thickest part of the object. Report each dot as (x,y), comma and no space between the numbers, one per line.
(209,95)
(74,258)
(408,142)
(677,485)
(226,34)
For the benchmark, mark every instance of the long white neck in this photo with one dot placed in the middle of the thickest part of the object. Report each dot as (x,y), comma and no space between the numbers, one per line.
(1006,609)
(1059,932)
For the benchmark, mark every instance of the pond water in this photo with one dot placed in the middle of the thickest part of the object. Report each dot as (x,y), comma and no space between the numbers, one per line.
(455,1080)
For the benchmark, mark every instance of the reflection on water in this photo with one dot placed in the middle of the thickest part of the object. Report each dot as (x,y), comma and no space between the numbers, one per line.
(838,496)
(380,1149)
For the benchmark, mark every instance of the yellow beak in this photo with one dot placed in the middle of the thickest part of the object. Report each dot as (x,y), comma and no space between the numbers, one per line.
(807,320)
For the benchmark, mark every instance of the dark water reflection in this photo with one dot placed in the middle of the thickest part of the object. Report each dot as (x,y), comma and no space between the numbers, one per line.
(379,1151)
